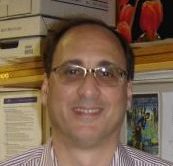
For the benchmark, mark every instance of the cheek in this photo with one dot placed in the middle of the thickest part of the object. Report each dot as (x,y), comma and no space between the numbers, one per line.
(58,104)
(60,97)
(117,97)
(117,100)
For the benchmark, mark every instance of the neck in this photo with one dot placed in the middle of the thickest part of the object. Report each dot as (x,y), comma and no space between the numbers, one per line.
(70,155)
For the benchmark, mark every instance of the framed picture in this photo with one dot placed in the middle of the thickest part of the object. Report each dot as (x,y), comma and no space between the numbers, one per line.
(145,20)
(143,123)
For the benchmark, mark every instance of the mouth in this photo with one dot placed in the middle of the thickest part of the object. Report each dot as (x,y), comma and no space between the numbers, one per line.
(87,112)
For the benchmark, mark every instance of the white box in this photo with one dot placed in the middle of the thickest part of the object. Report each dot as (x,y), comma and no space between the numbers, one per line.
(23,27)
(3,10)
(21,48)
(101,9)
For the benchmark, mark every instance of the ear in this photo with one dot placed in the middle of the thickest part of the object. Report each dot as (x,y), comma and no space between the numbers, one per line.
(129,95)
(44,89)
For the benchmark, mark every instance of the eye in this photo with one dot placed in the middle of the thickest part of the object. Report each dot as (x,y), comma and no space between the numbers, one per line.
(71,72)
(106,72)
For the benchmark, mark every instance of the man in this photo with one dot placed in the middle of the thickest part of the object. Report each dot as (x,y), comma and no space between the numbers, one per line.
(87,89)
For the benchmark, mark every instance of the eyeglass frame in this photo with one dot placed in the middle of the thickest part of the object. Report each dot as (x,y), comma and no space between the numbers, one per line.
(123,74)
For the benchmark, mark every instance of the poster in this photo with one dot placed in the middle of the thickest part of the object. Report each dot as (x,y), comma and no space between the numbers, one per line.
(20,121)
(143,123)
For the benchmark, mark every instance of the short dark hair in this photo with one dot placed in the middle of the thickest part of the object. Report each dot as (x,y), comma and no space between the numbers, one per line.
(60,28)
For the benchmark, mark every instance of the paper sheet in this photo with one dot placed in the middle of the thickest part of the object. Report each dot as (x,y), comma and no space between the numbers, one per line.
(167,126)
(20,116)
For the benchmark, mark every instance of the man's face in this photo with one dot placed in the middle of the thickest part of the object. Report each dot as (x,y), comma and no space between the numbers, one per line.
(86,113)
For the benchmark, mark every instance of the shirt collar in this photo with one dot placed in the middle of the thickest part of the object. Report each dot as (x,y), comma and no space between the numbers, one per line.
(120,157)
(123,158)
(48,157)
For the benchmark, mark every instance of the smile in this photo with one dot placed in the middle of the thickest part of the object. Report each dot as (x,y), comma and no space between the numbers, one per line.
(87,110)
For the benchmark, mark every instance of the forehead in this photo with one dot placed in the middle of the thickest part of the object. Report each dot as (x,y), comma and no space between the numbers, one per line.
(89,42)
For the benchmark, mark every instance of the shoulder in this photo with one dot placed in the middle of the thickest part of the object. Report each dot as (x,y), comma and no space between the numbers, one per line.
(30,157)
(142,158)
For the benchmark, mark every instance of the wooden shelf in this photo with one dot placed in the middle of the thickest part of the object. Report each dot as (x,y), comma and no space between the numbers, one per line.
(24,73)
(28,72)
(25,82)
(151,56)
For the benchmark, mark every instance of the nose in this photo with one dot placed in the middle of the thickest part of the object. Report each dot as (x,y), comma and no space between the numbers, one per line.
(89,87)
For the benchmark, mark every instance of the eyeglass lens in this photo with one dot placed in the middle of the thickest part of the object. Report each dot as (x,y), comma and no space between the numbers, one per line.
(107,76)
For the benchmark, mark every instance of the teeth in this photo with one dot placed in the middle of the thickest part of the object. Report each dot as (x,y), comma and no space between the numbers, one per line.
(87,111)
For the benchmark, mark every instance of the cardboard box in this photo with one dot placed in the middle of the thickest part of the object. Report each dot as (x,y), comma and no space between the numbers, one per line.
(20,48)
(24,27)
(103,9)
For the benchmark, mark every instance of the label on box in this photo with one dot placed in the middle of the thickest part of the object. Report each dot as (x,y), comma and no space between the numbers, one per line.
(26,47)
(25,27)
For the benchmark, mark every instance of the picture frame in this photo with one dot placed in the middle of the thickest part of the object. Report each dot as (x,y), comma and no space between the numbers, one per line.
(143,123)
(156,17)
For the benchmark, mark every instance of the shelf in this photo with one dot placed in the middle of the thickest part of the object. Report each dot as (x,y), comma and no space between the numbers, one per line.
(23,73)
(28,72)
(157,55)
(26,82)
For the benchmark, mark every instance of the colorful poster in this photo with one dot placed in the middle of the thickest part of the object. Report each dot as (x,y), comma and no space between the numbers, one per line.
(142,123)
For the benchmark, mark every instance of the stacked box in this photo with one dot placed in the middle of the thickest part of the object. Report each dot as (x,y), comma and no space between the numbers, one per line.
(101,9)
(22,37)
(24,23)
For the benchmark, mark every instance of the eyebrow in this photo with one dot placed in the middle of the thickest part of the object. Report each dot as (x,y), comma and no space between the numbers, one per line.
(73,62)
(79,62)
(106,63)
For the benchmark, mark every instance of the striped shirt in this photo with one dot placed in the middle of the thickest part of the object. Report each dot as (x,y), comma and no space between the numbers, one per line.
(124,156)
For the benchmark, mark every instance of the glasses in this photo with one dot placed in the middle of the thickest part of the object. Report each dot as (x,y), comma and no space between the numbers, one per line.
(106,75)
